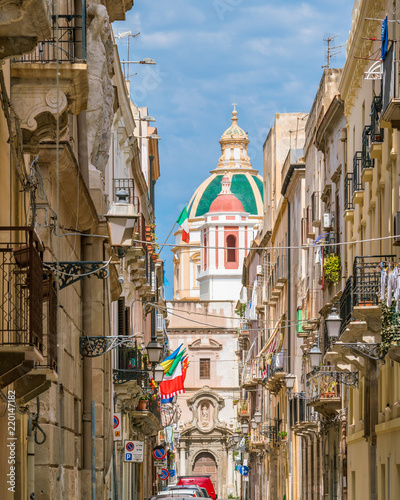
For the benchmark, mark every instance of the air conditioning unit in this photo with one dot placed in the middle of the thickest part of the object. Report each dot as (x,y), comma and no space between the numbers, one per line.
(259,270)
(327,221)
(396,229)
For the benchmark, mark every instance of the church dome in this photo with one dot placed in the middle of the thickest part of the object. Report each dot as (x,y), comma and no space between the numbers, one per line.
(226,201)
(246,185)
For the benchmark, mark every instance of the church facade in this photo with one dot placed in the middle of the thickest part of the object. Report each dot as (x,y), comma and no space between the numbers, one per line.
(225,213)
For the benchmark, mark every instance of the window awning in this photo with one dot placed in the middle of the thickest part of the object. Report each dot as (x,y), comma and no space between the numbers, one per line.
(270,346)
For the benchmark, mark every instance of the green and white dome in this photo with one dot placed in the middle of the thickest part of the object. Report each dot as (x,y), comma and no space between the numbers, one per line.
(246,184)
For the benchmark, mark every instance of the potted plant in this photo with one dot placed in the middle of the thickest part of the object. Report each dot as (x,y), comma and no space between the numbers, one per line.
(282,435)
(333,269)
(143,404)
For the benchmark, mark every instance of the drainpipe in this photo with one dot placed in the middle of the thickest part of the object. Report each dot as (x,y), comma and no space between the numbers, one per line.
(289,349)
(93,439)
(87,254)
(31,459)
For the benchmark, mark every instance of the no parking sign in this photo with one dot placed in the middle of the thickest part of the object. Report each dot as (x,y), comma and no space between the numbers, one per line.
(133,451)
(117,427)
(164,474)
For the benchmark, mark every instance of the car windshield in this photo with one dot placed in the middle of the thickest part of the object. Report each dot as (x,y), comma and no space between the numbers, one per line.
(205,492)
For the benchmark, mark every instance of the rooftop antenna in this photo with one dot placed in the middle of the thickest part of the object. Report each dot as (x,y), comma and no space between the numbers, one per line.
(331,52)
(124,34)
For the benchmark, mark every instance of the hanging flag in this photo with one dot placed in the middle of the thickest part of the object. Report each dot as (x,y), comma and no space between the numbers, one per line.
(185,364)
(166,400)
(183,221)
(172,384)
(175,363)
(384,38)
(168,361)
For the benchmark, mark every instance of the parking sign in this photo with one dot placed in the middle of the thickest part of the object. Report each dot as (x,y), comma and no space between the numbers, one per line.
(133,451)
(117,427)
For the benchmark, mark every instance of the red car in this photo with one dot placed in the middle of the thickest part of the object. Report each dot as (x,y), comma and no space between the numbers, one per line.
(202,481)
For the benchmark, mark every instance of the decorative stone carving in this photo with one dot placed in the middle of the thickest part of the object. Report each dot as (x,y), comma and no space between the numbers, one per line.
(35,99)
(22,24)
(100,109)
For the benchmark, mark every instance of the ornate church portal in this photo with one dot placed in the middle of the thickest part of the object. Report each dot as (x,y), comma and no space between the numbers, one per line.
(225,213)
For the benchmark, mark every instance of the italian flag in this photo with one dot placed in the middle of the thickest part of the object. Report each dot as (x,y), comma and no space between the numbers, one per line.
(183,221)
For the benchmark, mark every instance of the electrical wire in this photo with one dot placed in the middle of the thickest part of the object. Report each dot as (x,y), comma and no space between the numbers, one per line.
(292,247)
(294,323)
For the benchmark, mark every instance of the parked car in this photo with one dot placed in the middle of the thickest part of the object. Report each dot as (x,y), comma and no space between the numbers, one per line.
(202,481)
(185,487)
(187,492)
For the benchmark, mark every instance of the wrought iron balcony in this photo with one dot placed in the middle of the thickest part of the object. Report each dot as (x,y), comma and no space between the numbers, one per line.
(366,162)
(376,130)
(276,371)
(363,288)
(28,354)
(348,191)
(243,409)
(323,391)
(67,42)
(127,185)
(357,171)
(130,366)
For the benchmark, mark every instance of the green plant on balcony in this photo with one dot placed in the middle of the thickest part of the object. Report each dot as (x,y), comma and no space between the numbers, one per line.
(333,269)
(240,310)
(390,326)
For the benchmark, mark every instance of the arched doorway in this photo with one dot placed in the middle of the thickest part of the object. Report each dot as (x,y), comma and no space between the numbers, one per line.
(205,465)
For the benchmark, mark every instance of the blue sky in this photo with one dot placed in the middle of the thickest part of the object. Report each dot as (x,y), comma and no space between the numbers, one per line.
(266,56)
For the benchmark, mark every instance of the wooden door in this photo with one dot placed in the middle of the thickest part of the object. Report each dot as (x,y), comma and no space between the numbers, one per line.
(205,466)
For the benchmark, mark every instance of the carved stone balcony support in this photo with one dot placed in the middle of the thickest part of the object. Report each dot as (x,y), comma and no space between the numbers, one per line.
(22,25)
(36,100)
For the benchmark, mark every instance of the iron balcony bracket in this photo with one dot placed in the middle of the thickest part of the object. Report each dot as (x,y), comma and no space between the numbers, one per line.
(371,351)
(123,376)
(71,272)
(92,347)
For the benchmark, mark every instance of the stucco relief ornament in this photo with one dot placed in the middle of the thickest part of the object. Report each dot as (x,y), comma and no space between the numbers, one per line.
(101,94)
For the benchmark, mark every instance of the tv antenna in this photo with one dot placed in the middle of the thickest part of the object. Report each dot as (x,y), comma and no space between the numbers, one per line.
(127,34)
(331,52)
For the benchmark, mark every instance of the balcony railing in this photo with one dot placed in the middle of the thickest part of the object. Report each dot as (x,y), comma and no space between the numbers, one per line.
(299,412)
(363,288)
(348,191)
(278,363)
(367,161)
(331,244)
(50,325)
(322,386)
(376,130)
(21,287)
(127,185)
(357,170)
(67,43)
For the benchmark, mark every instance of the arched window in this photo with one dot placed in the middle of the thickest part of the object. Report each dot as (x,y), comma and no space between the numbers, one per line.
(231,250)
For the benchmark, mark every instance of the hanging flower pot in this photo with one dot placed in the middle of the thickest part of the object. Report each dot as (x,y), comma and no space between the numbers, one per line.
(143,404)
(21,255)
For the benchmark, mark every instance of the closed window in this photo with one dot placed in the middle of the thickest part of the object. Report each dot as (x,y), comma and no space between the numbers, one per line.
(231,250)
(204,368)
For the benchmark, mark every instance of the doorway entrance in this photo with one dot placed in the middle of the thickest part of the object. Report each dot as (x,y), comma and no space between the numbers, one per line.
(205,465)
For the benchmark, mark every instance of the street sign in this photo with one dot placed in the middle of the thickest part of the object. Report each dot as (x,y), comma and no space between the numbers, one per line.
(117,427)
(244,470)
(133,451)
(159,453)
(164,474)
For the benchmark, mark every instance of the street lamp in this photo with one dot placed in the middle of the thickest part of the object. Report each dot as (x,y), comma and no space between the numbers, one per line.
(257,416)
(158,373)
(121,219)
(146,60)
(290,378)
(245,427)
(333,323)
(147,119)
(254,424)
(154,351)
(315,355)
(236,436)
(151,136)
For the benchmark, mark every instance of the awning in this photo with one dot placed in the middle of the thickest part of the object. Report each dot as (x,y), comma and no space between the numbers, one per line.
(271,342)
